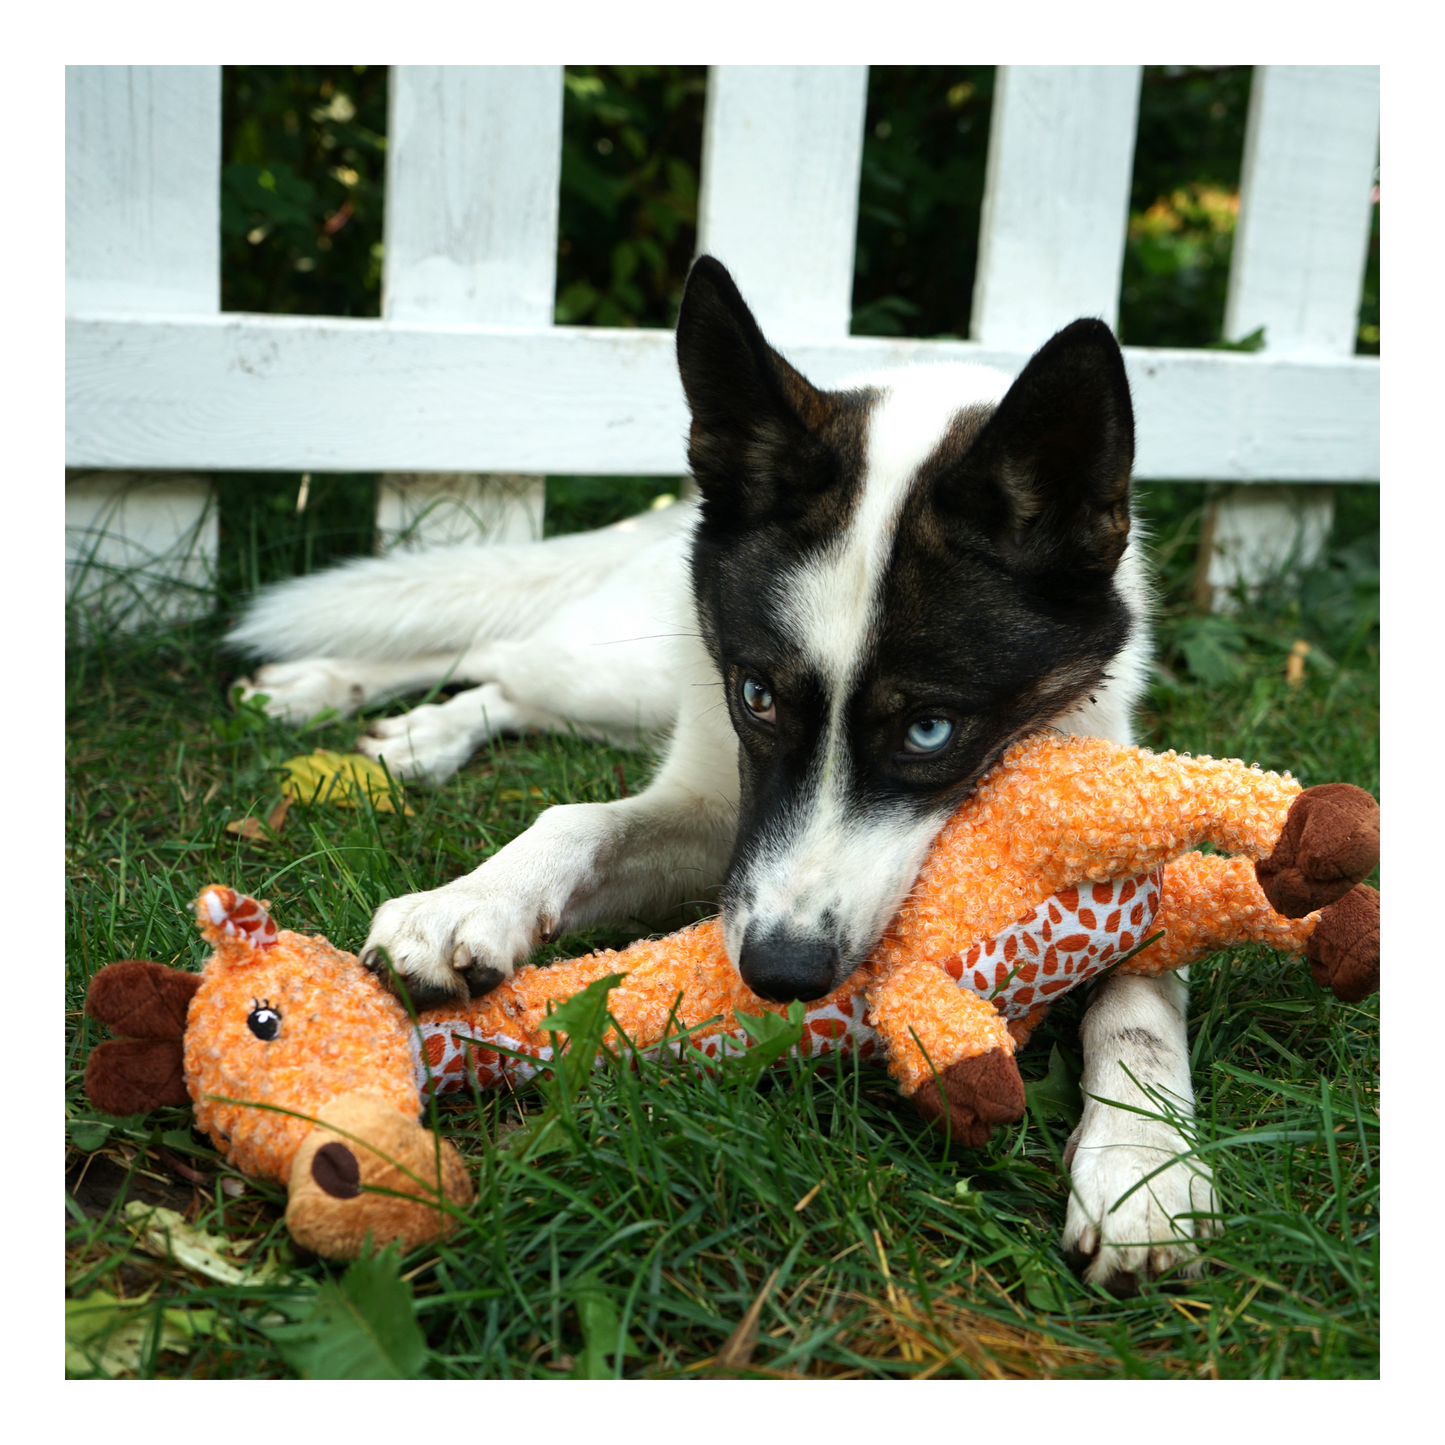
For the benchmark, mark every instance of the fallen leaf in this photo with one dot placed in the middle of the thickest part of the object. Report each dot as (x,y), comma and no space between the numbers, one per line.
(251,828)
(361,1327)
(164,1234)
(1294,664)
(110,1335)
(515,795)
(340,779)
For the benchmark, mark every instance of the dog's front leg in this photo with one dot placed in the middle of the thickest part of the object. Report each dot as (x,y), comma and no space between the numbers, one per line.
(1136,1053)
(578,864)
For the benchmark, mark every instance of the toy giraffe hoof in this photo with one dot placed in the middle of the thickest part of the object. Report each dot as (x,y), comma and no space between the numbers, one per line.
(1330,842)
(1344,949)
(976,1094)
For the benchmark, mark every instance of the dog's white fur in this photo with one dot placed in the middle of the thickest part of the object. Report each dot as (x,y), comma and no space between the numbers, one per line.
(596,632)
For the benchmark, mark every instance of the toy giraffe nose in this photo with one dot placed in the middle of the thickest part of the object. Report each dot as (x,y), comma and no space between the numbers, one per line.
(781,968)
(336,1171)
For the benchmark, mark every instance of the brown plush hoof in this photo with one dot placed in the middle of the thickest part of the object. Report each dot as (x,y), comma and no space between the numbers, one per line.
(977,1093)
(1344,949)
(1329,843)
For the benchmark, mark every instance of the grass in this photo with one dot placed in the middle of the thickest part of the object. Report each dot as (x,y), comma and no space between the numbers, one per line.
(671,1225)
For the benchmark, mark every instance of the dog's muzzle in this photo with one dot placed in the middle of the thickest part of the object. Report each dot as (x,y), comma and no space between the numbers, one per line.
(781,968)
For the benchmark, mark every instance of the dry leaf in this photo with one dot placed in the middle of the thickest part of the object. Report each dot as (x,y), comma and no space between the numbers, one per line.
(165,1234)
(1294,667)
(250,827)
(737,1353)
(110,1335)
(341,779)
(515,795)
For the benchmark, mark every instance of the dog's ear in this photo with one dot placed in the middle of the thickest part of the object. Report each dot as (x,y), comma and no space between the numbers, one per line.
(755,420)
(1048,474)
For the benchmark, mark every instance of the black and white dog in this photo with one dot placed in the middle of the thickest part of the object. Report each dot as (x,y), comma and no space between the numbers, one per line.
(879,590)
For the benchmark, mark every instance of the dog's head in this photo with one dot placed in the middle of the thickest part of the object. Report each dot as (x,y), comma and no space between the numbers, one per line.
(896,581)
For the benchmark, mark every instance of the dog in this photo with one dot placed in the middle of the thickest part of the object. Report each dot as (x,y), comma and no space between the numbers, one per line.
(877,590)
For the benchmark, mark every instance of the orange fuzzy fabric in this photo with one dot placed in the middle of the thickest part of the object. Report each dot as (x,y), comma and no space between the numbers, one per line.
(1209,903)
(688,970)
(951,1023)
(1058,810)
(1055,811)
(340,1032)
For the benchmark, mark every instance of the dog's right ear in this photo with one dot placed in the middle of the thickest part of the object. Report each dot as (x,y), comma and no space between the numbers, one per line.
(755,420)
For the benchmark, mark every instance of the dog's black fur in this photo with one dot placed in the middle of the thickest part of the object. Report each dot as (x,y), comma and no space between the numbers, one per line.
(998,606)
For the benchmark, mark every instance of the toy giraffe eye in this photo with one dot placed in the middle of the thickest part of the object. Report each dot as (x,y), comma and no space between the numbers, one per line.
(263,1020)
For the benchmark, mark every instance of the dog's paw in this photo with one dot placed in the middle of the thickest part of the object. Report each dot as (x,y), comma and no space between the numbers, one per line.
(429,742)
(1119,1242)
(453,943)
(297,691)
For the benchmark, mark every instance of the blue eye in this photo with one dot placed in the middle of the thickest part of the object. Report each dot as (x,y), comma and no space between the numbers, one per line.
(928,735)
(758,700)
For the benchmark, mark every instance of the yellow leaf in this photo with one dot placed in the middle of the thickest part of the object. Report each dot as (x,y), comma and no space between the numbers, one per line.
(340,779)
(515,795)
(110,1335)
(165,1234)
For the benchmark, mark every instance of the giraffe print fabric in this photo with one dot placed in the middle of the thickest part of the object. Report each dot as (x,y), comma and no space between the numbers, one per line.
(1065,941)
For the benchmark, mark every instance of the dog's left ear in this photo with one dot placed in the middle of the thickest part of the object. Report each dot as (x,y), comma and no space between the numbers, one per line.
(1049,472)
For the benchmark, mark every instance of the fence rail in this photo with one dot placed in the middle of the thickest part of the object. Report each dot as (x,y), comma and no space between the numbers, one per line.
(465,374)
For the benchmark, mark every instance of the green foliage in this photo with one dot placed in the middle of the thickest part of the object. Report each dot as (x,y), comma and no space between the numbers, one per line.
(583,1019)
(263,538)
(925,144)
(1183,204)
(576,504)
(650,1218)
(302,182)
(1334,606)
(770,1036)
(361,1327)
(631,148)
(1056,1095)
(1368,343)
(602,1338)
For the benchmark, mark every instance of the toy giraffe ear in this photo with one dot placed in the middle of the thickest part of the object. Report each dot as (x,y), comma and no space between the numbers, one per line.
(141,1000)
(134,1076)
(144,1071)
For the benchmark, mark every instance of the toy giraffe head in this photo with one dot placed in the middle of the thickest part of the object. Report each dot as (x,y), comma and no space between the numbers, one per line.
(300,1066)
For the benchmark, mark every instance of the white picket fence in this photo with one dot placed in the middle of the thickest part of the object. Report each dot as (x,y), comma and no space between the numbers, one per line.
(464,389)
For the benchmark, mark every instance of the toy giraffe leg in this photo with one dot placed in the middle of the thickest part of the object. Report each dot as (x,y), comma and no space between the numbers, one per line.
(949,1049)
(1208,903)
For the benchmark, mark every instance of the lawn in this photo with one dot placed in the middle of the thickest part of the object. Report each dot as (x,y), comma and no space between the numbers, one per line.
(675,1225)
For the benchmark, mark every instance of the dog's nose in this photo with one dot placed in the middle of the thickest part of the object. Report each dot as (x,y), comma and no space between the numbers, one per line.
(780,968)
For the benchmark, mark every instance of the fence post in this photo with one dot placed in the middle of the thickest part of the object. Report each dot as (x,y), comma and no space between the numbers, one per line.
(1055,200)
(1310,146)
(473,165)
(142,235)
(782,150)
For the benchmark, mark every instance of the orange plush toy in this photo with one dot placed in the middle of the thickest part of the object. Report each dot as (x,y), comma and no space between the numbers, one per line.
(1065,858)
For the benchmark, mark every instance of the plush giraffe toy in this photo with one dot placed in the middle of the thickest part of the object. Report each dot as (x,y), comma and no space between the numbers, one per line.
(1067,856)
